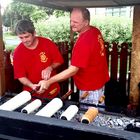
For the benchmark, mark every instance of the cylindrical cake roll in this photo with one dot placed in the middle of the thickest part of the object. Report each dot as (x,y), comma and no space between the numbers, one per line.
(102,99)
(16,101)
(69,113)
(90,115)
(32,106)
(51,108)
(84,95)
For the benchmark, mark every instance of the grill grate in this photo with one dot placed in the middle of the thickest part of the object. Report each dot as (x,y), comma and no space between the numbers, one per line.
(103,119)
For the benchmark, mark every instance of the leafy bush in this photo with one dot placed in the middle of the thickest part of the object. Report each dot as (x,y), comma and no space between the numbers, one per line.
(57,29)
(114,29)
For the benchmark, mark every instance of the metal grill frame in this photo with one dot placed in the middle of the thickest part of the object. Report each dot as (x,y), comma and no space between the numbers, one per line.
(15,125)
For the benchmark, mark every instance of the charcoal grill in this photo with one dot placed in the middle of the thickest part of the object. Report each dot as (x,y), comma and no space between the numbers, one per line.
(16,125)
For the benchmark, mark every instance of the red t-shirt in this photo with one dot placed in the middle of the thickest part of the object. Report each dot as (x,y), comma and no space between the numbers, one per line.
(89,55)
(29,63)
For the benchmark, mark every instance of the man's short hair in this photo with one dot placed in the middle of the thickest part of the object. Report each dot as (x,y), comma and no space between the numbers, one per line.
(24,26)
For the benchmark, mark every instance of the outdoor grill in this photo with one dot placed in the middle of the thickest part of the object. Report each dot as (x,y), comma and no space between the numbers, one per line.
(107,125)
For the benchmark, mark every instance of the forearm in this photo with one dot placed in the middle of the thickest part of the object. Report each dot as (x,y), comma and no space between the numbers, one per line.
(55,65)
(26,82)
(44,84)
(46,73)
(63,75)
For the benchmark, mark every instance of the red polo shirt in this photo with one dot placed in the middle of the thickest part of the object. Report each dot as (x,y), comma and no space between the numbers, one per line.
(29,63)
(89,55)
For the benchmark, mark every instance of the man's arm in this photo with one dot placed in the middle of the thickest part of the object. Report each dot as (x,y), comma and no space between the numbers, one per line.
(55,65)
(26,82)
(72,70)
(47,71)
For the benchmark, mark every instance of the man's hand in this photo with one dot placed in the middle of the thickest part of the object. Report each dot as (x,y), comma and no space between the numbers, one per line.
(25,81)
(35,87)
(46,73)
(44,85)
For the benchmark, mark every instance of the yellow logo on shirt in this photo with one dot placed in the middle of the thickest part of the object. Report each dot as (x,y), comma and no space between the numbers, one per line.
(100,39)
(43,57)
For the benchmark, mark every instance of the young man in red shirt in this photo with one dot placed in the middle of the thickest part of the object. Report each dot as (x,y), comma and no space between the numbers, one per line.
(34,59)
(88,64)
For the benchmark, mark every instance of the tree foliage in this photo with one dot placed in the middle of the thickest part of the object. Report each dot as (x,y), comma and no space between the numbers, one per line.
(55,24)
(113,29)
(57,29)
(18,10)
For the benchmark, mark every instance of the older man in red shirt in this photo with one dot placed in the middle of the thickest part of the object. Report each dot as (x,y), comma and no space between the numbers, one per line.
(88,64)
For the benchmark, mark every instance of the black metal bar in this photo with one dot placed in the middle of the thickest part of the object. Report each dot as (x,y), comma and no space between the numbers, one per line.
(24,126)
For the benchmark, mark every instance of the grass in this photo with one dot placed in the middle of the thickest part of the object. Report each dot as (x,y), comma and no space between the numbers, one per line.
(10,47)
(8,36)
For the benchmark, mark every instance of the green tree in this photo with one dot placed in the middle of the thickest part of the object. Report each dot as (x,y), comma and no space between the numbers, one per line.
(18,10)
(6,18)
(38,15)
(59,13)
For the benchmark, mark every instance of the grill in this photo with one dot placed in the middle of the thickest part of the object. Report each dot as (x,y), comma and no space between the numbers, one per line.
(107,125)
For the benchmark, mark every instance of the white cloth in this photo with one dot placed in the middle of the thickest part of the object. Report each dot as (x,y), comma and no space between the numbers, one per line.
(16,101)
(29,108)
(69,113)
(51,108)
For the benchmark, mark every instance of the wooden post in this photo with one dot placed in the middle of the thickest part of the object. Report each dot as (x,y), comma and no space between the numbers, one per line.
(2,72)
(135,59)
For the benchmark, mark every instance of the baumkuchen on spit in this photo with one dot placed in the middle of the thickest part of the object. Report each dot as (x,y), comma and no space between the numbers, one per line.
(29,108)
(69,113)
(89,115)
(16,101)
(51,108)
